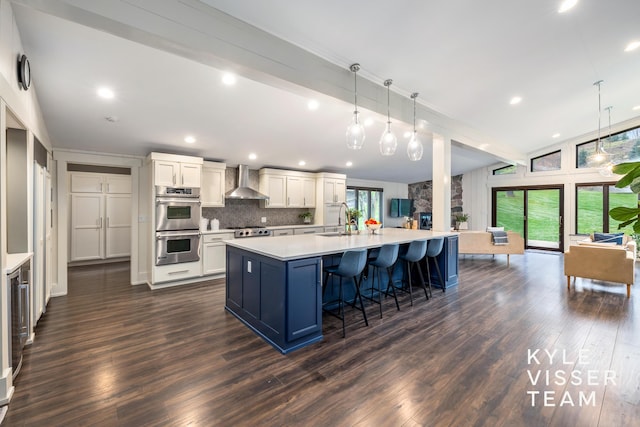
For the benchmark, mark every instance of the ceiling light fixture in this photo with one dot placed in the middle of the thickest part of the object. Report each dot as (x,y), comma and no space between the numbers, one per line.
(189,139)
(302,163)
(388,141)
(599,155)
(636,108)
(414,148)
(632,46)
(607,168)
(252,156)
(313,105)
(106,93)
(355,130)
(515,100)
(229,79)
(566,5)
(349,164)
(555,135)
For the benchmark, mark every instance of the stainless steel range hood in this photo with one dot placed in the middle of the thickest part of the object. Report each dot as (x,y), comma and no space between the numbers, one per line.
(243,191)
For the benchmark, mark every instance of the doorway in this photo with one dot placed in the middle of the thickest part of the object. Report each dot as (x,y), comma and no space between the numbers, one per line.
(536,213)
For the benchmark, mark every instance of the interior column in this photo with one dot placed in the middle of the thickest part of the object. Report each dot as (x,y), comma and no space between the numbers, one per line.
(441,203)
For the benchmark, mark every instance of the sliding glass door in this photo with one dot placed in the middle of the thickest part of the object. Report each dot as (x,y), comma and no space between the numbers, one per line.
(533,212)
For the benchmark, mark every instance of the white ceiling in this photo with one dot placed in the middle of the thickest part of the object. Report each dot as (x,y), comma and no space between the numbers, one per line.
(165,59)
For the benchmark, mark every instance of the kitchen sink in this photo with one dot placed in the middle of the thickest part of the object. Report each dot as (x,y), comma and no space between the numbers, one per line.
(331,234)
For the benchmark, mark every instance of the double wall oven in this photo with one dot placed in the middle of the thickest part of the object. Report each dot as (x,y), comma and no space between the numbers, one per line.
(177,225)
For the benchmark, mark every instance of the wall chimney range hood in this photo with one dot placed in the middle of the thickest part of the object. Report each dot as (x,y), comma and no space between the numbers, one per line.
(243,191)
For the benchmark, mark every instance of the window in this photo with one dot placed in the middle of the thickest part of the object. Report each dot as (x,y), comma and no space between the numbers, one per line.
(505,170)
(622,146)
(368,201)
(547,162)
(593,203)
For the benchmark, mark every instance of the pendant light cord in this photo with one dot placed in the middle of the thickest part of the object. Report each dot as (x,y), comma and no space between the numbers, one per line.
(598,144)
(355,68)
(388,83)
(414,96)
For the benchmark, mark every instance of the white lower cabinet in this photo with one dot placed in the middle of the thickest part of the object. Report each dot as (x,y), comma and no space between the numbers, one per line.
(174,272)
(214,255)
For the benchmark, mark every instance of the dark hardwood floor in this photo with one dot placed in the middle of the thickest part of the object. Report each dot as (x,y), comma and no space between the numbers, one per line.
(110,354)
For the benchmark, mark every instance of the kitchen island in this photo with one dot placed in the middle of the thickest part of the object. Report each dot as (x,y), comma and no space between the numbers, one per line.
(274,284)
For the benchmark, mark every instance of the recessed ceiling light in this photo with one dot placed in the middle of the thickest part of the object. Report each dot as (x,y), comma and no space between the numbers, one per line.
(106,93)
(313,105)
(349,164)
(368,122)
(189,139)
(555,135)
(636,108)
(407,134)
(515,100)
(632,46)
(566,5)
(252,156)
(302,163)
(229,79)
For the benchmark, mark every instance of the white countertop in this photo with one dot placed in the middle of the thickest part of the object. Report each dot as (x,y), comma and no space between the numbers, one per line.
(286,248)
(16,260)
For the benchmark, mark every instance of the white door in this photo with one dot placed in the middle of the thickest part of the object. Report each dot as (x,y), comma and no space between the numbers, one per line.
(118,225)
(39,226)
(49,262)
(86,226)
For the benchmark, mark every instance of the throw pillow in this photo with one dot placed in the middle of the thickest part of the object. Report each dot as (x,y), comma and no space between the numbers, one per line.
(490,229)
(608,237)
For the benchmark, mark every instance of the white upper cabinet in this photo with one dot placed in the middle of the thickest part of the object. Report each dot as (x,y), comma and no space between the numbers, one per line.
(288,189)
(170,170)
(335,190)
(213,184)
(118,184)
(84,182)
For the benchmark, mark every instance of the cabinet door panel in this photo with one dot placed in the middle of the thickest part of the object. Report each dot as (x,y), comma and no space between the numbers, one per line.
(212,191)
(82,182)
(190,175)
(165,173)
(304,298)
(295,195)
(213,258)
(276,186)
(118,225)
(118,184)
(309,192)
(86,226)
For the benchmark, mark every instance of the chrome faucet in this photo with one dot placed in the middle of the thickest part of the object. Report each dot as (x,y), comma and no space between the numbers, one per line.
(346,211)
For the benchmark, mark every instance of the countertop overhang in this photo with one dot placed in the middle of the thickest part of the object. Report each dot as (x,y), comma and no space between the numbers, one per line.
(287,248)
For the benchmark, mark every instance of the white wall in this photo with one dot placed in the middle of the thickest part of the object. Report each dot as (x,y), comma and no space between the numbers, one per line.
(477,184)
(23,106)
(390,190)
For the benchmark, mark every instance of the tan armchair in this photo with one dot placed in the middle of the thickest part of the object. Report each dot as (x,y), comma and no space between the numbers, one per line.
(601,261)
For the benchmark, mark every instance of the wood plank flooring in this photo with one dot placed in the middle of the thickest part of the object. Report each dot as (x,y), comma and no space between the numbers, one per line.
(110,354)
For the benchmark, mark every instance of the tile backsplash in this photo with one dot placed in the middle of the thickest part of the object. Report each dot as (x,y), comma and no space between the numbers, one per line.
(242,213)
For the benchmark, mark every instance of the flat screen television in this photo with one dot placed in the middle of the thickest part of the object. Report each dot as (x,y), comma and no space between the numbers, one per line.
(400,208)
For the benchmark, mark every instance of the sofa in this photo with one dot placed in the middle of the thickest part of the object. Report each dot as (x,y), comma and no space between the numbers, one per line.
(601,261)
(481,243)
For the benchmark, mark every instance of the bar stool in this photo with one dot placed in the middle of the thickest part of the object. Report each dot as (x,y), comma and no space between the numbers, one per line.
(433,250)
(416,251)
(351,265)
(386,258)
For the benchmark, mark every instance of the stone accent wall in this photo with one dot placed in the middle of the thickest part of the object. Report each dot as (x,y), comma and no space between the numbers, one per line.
(422,195)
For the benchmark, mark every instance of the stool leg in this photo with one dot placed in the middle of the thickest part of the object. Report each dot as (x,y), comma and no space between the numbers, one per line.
(393,288)
(377,270)
(426,294)
(358,296)
(341,304)
(410,285)
(428,274)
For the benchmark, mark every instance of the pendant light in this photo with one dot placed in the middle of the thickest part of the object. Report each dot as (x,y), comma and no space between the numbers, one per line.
(414,148)
(355,130)
(599,156)
(388,141)
(607,168)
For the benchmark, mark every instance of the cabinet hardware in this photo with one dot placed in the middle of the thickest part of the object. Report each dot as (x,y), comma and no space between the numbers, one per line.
(179,272)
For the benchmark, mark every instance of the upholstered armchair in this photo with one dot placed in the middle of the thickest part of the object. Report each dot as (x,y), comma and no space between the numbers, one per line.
(601,261)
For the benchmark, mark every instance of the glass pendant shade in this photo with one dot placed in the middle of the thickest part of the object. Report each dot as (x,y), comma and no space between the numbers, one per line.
(414,148)
(355,130)
(355,133)
(388,141)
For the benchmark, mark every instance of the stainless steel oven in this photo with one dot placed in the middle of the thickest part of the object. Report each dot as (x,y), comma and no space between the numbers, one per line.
(173,247)
(177,208)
